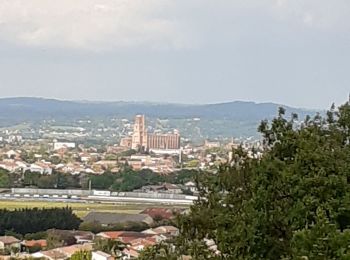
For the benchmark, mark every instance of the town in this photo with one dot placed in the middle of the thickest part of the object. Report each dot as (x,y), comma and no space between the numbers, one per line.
(174,130)
(69,150)
(135,164)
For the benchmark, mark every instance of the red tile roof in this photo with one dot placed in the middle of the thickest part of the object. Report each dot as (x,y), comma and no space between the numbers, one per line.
(164,213)
(30,243)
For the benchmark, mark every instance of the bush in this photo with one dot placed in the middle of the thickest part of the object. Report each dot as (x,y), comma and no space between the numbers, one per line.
(24,221)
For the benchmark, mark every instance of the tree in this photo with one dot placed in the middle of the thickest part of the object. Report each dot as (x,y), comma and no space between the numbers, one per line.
(24,221)
(161,251)
(47,182)
(81,255)
(292,203)
(109,246)
(31,178)
(4,179)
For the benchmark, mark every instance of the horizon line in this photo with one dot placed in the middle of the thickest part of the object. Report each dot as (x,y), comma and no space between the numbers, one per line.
(159,102)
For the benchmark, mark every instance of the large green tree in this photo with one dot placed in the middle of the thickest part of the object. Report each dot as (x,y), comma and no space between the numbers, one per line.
(293,202)
(82,255)
(4,178)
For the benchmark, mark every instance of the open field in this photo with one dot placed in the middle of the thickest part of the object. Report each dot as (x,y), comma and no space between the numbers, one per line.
(79,208)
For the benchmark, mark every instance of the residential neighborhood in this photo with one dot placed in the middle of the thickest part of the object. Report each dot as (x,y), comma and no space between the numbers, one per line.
(130,243)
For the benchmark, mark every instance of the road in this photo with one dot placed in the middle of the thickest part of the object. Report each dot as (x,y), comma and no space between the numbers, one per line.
(91,199)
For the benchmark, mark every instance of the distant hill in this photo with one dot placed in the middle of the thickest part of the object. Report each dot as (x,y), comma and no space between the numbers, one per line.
(17,110)
(40,108)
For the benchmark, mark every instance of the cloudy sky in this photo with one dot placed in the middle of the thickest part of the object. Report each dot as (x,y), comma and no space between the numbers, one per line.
(294,52)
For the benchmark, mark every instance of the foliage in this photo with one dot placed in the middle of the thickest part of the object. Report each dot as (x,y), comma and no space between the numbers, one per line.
(127,153)
(14,234)
(109,246)
(26,220)
(35,248)
(292,203)
(126,180)
(102,181)
(193,163)
(4,178)
(129,180)
(161,251)
(54,180)
(58,238)
(96,227)
(35,236)
(81,255)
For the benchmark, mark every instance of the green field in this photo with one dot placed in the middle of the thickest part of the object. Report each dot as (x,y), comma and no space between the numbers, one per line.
(81,209)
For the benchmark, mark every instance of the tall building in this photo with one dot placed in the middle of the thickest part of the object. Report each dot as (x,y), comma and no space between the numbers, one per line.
(139,137)
(141,140)
(163,141)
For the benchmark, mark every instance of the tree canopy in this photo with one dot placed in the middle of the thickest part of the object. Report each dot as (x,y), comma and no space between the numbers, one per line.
(293,202)
(24,221)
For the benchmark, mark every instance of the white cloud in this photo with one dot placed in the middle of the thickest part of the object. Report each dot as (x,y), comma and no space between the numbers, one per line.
(156,24)
(89,24)
(320,14)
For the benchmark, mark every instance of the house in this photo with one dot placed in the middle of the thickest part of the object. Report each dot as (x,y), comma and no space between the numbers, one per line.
(163,230)
(136,246)
(53,254)
(9,243)
(13,154)
(161,213)
(130,253)
(141,243)
(106,164)
(99,255)
(31,244)
(172,188)
(164,188)
(40,167)
(123,236)
(63,145)
(109,218)
(190,185)
(62,253)
(70,250)
(136,165)
(81,237)
(9,165)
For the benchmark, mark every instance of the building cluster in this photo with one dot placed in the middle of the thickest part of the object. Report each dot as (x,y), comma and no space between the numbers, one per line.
(139,146)
(76,159)
(87,242)
(141,140)
(80,160)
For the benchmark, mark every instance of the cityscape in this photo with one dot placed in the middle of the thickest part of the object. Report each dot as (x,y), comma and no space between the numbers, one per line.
(174,130)
(62,166)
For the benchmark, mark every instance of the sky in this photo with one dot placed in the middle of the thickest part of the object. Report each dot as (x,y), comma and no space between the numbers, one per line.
(292,52)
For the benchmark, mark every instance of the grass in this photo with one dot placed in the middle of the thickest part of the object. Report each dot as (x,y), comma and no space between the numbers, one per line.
(80,209)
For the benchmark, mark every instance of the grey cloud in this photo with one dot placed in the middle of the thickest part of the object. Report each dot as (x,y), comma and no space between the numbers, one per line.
(191,51)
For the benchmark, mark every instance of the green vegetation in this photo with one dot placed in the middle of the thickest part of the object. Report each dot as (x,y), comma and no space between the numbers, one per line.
(54,180)
(82,255)
(126,180)
(58,238)
(109,246)
(129,180)
(4,178)
(26,220)
(96,227)
(80,209)
(292,203)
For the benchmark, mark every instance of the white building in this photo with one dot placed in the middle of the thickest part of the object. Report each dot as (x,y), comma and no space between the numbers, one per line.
(99,255)
(60,145)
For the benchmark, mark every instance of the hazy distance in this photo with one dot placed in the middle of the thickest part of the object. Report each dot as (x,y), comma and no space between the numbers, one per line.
(293,52)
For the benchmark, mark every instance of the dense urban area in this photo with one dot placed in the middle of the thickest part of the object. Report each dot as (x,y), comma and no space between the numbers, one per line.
(129,162)
(153,194)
